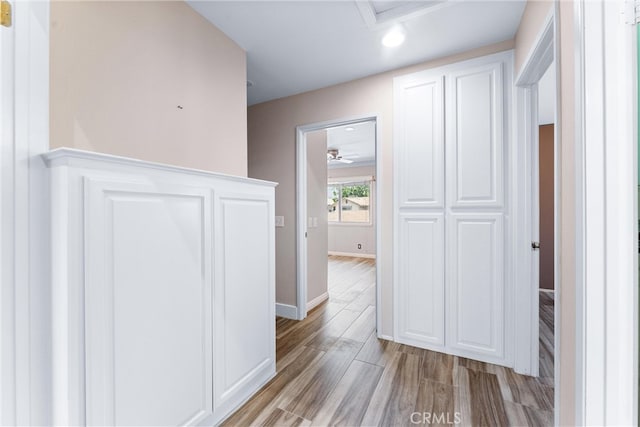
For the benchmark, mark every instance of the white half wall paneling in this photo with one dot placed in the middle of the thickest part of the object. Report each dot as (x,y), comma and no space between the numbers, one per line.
(148,304)
(420,301)
(245,352)
(419,134)
(163,291)
(475,136)
(475,287)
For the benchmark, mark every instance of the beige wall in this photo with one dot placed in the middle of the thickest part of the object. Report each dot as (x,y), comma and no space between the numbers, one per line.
(530,27)
(567,293)
(119,70)
(533,18)
(546,147)
(345,238)
(317,237)
(272,156)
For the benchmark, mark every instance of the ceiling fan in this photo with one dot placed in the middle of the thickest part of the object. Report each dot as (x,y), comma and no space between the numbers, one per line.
(333,155)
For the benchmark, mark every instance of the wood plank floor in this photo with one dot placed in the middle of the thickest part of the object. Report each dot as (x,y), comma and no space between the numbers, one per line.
(333,370)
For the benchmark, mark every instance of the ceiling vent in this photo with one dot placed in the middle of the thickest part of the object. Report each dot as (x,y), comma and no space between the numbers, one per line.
(380,13)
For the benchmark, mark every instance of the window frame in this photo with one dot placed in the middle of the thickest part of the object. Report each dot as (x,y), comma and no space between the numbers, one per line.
(340,184)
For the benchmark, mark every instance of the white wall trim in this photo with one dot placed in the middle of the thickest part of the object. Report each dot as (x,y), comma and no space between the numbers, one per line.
(526,218)
(70,156)
(349,179)
(557,222)
(301,223)
(317,301)
(606,216)
(301,207)
(378,223)
(355,164)
(353,255)
(287,311)
(527,278)
(7,230)
(542,52)
(579,200)
(26,351)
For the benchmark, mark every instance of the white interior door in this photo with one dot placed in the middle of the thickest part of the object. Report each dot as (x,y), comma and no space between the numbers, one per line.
(420,190)
(475,189)
(451,204)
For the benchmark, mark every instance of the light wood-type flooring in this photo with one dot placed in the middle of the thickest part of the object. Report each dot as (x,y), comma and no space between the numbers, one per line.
(333,370)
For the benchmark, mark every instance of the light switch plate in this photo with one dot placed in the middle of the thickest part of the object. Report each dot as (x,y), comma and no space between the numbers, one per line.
(279,221)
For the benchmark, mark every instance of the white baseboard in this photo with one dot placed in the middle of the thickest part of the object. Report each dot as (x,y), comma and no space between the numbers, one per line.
(287,311)
(317,301)
(385,337)
(353,255)
(245,391)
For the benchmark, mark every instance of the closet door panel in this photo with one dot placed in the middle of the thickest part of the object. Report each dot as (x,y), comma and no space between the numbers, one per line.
(419,134)
(475,137)
(475,286)
(421,294)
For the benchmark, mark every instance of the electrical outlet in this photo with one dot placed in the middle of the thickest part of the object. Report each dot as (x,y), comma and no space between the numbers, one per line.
(279,221)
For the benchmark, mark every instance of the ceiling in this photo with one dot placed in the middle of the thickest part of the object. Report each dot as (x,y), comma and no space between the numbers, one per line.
(356,142)
(297,46)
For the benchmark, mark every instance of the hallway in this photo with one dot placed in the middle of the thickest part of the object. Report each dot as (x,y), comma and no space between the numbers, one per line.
(332,370)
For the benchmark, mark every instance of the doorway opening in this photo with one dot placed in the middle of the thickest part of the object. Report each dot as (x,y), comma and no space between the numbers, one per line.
(545,222)
(538,238)
(338,231)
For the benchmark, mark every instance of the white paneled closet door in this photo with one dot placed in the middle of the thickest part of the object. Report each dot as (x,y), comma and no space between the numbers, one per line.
(475,236)
(420,231)
(451,207)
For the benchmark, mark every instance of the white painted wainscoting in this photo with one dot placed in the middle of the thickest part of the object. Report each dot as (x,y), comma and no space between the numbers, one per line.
(163,291)
(452,139)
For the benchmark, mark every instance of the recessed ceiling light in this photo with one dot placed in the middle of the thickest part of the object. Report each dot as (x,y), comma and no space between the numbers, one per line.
(349,129)
(395,37)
